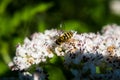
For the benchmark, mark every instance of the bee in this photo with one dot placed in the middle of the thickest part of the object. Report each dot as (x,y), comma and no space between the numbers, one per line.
(64,37)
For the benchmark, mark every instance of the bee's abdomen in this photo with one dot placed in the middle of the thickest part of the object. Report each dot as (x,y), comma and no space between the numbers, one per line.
(64,37)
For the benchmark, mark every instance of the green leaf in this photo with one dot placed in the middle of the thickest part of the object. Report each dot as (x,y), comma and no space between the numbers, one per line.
(54,73)
(75,25)
(3,5)
(41,26)
(29,12)
(8,23)
(5,52)
(98,69)
(3,67)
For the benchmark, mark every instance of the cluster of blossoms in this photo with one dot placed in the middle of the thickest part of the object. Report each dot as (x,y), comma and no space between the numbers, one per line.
(35,50)
(86,50)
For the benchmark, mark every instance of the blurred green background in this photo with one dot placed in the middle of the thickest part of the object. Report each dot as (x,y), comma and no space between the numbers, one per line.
(21,18)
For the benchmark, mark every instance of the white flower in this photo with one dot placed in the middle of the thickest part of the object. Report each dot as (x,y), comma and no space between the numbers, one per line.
(86,48)
(115,7)
(35,50)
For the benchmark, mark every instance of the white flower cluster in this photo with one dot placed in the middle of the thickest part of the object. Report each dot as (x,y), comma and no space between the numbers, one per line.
(36,50)
(87,50)
(94,48)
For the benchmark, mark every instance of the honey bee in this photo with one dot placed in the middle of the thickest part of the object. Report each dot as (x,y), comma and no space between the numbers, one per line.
(111,49)
(64,37)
